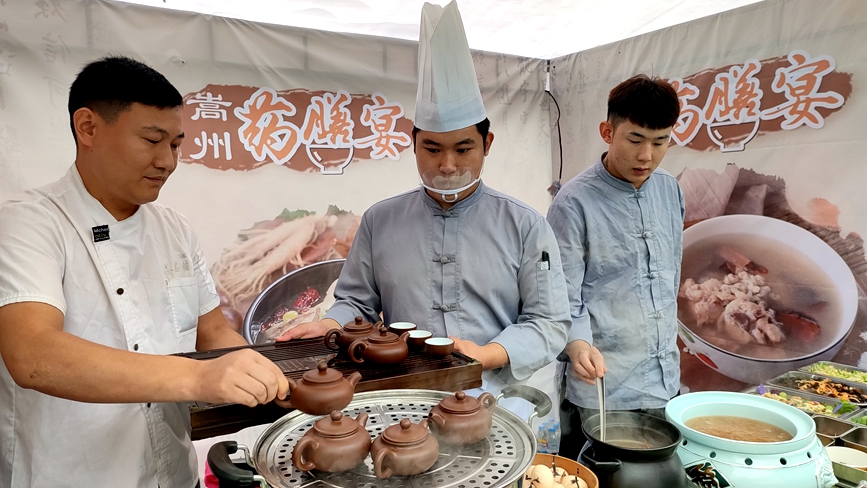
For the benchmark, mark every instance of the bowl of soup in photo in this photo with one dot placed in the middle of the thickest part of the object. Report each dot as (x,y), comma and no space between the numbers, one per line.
(760,296)
(736,439)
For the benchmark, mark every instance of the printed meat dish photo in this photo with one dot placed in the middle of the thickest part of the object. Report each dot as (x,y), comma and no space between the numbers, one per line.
(739,296)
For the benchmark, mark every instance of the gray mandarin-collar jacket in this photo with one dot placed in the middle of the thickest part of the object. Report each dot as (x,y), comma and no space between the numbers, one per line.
(473,271)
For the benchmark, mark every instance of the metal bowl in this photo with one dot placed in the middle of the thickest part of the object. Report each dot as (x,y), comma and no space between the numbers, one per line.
(317,275)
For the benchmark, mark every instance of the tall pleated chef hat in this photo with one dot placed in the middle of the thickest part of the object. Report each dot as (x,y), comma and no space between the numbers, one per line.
(448,92)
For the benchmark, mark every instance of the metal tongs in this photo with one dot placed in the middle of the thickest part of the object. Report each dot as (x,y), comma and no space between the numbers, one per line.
(600,389)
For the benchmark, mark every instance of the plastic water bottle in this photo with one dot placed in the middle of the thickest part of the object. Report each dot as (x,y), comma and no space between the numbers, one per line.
(542,438)
(554,438)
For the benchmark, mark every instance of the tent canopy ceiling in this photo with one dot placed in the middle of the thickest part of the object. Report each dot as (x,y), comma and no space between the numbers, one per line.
(533,28)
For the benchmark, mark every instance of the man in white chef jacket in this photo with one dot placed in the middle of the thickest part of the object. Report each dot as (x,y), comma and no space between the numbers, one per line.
(454,256)
(97,285)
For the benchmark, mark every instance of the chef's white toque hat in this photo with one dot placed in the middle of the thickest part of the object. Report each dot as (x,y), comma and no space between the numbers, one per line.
(448,92)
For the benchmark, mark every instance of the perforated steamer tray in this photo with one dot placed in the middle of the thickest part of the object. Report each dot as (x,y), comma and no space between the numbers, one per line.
(499,460)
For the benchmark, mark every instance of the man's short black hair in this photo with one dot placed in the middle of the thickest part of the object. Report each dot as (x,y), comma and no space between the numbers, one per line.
(110,85)
(647,102)
(483,127)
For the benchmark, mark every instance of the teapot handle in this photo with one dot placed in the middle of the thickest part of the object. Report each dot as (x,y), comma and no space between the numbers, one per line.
(287,403)
(298,457)
(333,334)
(379,460)
(357,347)
(487,400)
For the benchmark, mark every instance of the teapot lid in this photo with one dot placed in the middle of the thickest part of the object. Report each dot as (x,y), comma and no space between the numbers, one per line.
(405,433)
(322,374)
(359,325)
(460,403)
(383,336)
(336,425)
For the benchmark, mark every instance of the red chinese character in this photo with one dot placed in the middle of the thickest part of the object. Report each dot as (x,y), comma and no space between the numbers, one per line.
(328,120)
(689,122)
(382,118)
(800,83)
(735,96)
(266,132)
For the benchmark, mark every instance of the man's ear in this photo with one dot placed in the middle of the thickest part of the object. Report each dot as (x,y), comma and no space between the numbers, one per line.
(488,141)
(606,130)
(84,121)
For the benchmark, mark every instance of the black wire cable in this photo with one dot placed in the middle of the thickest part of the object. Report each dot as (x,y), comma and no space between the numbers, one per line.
(555,187)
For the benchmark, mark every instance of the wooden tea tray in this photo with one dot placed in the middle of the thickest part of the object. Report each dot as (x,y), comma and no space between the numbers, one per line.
(450,373)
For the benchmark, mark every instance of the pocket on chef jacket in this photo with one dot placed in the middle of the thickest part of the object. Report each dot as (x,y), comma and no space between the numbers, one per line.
(543,288)
(184,298)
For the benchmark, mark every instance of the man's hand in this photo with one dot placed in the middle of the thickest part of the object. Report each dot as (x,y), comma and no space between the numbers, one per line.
(492,355)
(243,376)
(308,330)
(587,361)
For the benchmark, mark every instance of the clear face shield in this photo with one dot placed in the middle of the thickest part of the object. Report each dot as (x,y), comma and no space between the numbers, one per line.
(449,186)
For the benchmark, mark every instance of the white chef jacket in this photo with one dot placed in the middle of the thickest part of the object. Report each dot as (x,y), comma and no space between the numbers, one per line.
(140,289)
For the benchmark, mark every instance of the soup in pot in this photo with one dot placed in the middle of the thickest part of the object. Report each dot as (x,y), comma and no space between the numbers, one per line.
(738,428)
(629,444)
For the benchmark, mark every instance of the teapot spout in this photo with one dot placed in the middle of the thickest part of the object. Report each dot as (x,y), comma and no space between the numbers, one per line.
(436,419)
(362,419)
(354,378)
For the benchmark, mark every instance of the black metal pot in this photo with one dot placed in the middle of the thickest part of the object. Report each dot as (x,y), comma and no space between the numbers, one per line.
(650,460)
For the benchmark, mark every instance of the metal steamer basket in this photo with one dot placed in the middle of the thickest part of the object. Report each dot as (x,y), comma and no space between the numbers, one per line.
(498,461)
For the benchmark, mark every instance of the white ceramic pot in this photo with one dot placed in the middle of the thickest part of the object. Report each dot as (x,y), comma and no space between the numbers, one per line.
(714,462)
(710,461)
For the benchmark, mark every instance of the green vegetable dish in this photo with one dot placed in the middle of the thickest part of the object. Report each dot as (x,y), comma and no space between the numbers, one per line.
(811,406)
(860,420)
(828,370)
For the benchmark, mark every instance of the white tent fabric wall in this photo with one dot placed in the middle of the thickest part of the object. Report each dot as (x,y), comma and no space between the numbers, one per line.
(535,28)
(41,53)
(769,29)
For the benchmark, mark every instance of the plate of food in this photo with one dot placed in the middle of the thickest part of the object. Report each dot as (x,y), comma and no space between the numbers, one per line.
(760,296)
(812,404)
(836,370)
(821,385)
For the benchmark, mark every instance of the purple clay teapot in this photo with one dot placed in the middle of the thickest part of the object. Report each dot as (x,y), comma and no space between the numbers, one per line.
(340,339)
(335,443)
(462,419)
(404,449)
(321,390)
(381,347)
